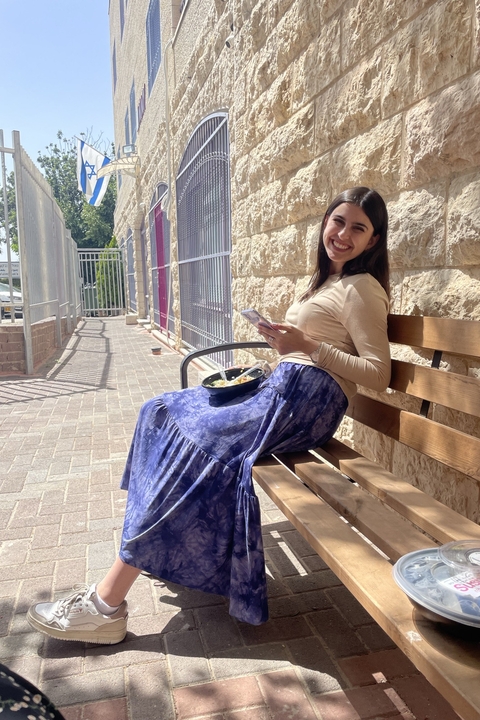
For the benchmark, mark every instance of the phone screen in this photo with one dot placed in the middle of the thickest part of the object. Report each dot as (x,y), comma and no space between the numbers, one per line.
(255,317)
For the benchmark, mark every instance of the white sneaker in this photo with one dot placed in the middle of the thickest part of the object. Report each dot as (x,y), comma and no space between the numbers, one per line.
(76,617)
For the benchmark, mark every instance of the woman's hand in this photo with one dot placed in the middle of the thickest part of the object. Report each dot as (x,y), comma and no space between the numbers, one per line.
(287,338)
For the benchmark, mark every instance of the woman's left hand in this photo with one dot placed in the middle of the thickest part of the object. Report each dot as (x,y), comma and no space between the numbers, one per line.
(287,338)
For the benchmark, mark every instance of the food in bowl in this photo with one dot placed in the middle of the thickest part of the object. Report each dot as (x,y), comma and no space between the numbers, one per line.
(226,390)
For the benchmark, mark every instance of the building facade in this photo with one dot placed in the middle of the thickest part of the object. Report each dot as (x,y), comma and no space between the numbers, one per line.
(249,116)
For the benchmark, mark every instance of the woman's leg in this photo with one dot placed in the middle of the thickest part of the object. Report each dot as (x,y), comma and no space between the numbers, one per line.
(117,582)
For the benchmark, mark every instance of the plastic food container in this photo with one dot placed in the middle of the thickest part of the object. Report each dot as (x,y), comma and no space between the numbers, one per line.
(223,394)
(443,591)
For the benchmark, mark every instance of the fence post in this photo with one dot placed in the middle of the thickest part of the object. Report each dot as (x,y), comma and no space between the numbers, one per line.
(27,325)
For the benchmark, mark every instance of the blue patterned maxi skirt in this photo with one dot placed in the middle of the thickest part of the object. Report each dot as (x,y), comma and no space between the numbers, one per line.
(192,516)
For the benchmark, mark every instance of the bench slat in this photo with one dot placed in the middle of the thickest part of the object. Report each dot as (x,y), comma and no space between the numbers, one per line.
(458,337)
(432,516)
(449,389)
(381,525)
(450,447)
(450,665)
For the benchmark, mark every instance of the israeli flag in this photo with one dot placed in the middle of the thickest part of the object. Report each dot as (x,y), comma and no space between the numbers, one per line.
(89,162)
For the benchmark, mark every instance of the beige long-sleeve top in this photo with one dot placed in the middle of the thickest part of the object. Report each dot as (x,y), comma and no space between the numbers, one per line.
(348,318)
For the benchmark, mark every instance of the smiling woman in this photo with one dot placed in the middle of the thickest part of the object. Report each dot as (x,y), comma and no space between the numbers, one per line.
(192,516)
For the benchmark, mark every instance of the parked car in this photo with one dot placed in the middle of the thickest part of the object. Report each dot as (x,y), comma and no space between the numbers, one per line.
(5,302)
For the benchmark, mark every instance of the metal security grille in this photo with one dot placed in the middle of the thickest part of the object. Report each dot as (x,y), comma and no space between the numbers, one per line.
(160,254)
(101,273)
(204,236)
(132,288)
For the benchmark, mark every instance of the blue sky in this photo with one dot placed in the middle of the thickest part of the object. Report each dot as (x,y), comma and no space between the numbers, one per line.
(55,70)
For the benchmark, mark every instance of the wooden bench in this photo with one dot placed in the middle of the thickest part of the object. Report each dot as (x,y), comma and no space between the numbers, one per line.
(360,518)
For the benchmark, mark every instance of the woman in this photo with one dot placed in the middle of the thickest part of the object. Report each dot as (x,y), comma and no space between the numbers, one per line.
(192,516)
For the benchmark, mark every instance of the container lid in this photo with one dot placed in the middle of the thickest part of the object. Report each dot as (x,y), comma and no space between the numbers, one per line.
(462,555)
(428,580)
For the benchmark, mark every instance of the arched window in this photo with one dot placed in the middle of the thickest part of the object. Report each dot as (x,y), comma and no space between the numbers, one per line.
(204,235)
(160,254)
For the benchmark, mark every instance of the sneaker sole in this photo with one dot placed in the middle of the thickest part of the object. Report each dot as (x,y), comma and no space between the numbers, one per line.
(109,635)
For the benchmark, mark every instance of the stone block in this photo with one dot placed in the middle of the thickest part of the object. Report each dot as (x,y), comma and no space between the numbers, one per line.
(271,254)
(463,221)
(429,53)
(278,296)
(442,293)
(416,236)
(372,158)
(316,68)
(350,106)
(457,491)
(295,30)
(308,191)
(441,134)
(365,23)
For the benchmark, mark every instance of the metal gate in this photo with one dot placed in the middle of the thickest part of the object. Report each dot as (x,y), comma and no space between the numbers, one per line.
(102,282)
(204,236)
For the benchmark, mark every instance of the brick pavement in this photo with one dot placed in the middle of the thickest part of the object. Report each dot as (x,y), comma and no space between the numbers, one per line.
(64,436)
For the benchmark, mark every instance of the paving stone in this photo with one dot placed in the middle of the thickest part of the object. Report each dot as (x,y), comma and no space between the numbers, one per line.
(217,697)
(422,699)
(391,663)
(275,630)
(85,688)
(336,633)
(186,658)
(349,606)
(371,702)
(335,706)
(247,660)
(150,695)
(68,573)
(375,638)
(316,666)
(285,696)
(132,651)
(218,629)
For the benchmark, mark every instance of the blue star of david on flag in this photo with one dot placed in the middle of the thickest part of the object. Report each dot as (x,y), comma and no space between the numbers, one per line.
(89,162)
(92,170)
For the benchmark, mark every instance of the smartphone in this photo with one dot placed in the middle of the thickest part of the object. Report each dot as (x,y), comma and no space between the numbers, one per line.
(256,318)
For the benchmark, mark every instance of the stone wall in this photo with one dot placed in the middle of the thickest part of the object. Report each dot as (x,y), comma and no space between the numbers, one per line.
(322,96)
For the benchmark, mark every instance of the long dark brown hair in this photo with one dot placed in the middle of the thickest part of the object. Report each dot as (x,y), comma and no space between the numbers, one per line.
(374,260)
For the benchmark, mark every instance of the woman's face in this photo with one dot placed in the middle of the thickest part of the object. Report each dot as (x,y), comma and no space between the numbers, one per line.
(348,233)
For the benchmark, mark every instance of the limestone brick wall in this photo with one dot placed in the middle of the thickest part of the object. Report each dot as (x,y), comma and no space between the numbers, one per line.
(322,96)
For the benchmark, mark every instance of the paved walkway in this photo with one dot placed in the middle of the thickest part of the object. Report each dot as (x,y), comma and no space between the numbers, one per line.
(64,435)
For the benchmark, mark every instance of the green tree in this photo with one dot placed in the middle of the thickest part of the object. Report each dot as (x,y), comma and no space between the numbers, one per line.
(12,214)
(90,226)
(110,278)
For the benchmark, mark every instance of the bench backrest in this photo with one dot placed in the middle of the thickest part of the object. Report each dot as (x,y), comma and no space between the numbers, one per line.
(434,386)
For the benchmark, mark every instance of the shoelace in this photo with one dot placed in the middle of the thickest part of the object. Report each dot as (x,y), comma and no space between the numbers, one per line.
(64,606)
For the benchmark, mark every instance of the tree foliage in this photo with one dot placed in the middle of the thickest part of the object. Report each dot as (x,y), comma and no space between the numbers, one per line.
(90,226)
(12,214)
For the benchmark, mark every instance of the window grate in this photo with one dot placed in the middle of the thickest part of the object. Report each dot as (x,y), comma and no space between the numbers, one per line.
(204,237)
(132,290)
(154,45)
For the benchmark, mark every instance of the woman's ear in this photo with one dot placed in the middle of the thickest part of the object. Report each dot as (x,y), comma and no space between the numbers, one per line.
(373,241)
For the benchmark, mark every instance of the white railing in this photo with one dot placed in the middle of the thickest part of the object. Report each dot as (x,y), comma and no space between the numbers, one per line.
(50,282)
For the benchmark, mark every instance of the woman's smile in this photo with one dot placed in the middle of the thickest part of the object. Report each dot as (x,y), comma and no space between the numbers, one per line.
(348,233)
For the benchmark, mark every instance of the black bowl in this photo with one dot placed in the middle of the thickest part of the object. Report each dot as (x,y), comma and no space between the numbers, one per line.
(233,391)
